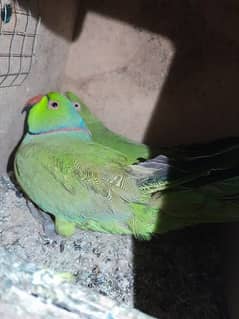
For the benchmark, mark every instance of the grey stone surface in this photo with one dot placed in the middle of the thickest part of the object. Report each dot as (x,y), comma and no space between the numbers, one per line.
(35,292)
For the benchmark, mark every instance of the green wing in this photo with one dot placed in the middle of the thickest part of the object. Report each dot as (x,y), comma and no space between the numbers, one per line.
(102,135)
(91,185)
(76,181)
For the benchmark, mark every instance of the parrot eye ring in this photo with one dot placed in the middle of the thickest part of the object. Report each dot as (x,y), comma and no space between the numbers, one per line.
(77,105)
(53,105)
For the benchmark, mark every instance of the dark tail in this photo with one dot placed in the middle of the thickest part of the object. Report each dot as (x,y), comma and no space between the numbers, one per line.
(195,164)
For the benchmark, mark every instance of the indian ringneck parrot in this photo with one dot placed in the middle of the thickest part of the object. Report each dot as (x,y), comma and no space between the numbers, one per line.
(91,186)
(102,135)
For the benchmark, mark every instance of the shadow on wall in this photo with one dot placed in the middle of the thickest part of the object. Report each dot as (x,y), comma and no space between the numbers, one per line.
(178,275)
(55,15)
(197,102)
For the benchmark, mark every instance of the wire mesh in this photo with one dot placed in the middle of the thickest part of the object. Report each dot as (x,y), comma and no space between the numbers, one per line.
(18,35)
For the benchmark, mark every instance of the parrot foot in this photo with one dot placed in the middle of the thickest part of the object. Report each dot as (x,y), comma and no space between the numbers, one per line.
(50,235)
(64,228)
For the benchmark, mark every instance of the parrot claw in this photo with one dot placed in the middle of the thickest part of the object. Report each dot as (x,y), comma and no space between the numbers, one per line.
(50,236)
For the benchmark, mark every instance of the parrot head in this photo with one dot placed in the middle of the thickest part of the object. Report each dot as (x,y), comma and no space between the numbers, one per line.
(75,100)
(52,112)
(79,105)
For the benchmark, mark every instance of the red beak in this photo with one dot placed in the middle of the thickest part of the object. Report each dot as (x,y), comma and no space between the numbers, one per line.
(34,100)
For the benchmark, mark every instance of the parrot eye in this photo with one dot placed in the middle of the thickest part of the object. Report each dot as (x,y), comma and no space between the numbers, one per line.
(76,105)
(53,105)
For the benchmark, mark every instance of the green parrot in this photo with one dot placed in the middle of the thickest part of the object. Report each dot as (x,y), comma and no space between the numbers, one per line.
(91,186)
(102,135)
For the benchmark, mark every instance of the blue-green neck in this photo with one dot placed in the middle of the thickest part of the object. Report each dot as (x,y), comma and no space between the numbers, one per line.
(81,134)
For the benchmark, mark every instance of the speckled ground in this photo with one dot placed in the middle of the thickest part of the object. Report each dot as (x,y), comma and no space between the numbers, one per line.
(174,276)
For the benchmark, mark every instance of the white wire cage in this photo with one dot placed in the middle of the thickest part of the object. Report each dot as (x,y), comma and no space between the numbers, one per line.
(18,36)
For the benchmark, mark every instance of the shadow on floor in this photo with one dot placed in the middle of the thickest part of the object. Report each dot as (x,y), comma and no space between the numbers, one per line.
(180,274)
